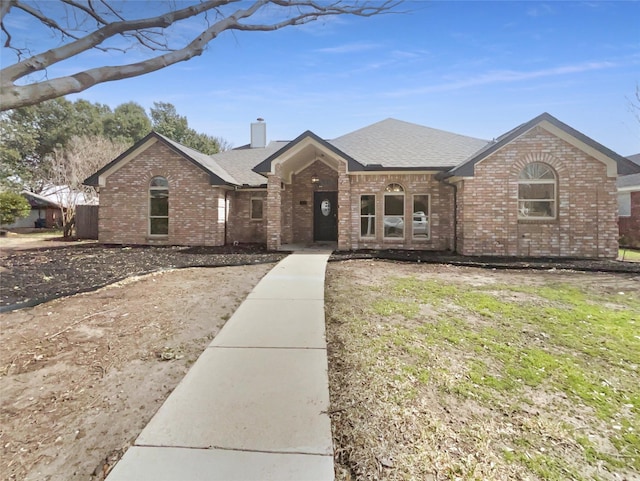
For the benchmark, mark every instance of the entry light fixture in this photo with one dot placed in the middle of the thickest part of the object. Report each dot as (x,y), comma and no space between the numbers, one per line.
(315,179)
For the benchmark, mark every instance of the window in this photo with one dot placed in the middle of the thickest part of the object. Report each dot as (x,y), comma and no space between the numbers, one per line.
(420,222)
(256,209)
(367,216)
(159,206)
(537,192)
(394,211)
(624,204)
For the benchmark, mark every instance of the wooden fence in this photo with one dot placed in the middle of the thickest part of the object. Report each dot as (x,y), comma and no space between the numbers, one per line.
(87,221)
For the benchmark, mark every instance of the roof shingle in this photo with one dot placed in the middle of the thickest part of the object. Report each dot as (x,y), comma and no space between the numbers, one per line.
(395,143)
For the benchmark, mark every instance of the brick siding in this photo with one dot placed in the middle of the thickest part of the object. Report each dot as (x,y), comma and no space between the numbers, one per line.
(196,209)
(485,222)
(440,218)
(586,204)
(240,227)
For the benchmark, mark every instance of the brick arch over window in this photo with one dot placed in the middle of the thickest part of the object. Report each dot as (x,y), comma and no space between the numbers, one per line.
(537,192)
(540,157)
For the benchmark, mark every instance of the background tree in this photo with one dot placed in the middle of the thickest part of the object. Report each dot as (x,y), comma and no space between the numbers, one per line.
(12,207)
(31,136)
(70,165)
(166,121)
(128,123)
(109,25)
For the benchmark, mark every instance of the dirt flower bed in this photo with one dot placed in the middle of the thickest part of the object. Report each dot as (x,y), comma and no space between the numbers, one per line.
(34,275)
(81,376)
(441,372)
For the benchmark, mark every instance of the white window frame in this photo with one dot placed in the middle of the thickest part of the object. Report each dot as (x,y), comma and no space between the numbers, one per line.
(150,217)
(251,216)
(385,216)
(370,217)
(552,200)
(427,216)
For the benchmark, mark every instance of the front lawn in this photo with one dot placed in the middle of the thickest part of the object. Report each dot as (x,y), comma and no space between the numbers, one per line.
(441,372)
(629,255)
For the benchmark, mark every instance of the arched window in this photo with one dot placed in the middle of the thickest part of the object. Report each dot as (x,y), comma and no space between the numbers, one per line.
(537,192)
(394,211)
(159,206)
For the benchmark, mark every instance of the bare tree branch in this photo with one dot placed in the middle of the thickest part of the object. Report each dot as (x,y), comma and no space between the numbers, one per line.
(49,22)
(5,6)
(148,32)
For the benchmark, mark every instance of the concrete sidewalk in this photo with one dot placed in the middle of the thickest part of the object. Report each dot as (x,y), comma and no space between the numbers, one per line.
(254,405)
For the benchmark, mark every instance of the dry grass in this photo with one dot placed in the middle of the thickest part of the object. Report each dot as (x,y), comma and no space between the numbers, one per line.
(441,373)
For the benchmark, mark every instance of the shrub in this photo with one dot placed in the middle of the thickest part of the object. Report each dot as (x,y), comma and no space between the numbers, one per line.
(13,206)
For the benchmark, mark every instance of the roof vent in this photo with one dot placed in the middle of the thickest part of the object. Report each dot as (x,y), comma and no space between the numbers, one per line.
(258,134)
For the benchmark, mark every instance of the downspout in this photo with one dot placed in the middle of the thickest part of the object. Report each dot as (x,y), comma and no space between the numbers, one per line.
(455,214)
(226,215)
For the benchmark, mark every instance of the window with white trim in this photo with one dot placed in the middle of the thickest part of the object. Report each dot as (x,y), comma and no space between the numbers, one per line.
(420,223)
(159,206)
(393,218)
(256,208)
(537,192)
(367,215)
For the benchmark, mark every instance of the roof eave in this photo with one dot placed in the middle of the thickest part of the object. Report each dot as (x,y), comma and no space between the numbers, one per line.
(265,168)
(214,179)
(467,168)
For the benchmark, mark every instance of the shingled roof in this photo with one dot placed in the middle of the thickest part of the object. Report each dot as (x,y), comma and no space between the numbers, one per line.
(394,143)
(466,168)
(387,145)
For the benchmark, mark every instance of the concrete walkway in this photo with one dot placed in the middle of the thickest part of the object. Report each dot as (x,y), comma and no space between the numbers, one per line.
(254,405)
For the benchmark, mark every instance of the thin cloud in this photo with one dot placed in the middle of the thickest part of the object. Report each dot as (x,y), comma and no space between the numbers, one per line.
(349,48)
(540,10)
(505,76)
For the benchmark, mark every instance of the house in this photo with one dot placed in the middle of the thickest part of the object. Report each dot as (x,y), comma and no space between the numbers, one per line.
(629,207)
(541,189)
(44,213)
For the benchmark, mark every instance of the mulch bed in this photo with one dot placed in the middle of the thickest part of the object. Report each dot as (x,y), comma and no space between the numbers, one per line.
(33,276)
(30,277)
(435,257)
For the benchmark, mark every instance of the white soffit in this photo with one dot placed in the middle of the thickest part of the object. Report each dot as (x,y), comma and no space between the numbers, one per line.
(300,156)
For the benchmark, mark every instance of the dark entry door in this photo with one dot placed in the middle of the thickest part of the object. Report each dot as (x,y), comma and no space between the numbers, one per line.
(325,216)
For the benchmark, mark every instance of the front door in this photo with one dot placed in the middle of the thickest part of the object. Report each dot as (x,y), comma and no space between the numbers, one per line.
(325,216)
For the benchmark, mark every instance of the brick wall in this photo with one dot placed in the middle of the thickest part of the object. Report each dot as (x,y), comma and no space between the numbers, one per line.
(240,226)
(441,215)
(630,226)
(586,204)
(196,209)
(274,209)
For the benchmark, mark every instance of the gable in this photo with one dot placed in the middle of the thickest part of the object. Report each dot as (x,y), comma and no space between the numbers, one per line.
(615,163)
(217,175)
(302,152)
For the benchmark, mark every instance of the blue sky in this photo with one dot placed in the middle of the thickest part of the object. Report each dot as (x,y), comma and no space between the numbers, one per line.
(474,68)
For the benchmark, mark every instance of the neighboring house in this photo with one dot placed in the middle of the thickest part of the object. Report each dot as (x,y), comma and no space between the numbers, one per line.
(629,207)
(542,189)
(44,213)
